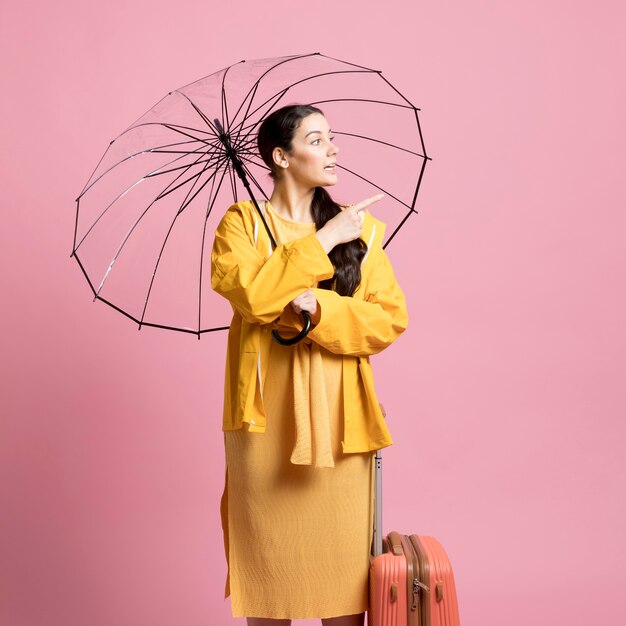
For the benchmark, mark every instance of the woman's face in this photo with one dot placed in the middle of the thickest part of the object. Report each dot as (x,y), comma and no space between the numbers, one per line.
(312,159)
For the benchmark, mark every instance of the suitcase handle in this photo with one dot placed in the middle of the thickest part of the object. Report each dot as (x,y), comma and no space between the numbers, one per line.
(396,543)
(378,499)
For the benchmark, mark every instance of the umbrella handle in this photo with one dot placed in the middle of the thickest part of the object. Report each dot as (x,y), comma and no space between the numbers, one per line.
(299,337)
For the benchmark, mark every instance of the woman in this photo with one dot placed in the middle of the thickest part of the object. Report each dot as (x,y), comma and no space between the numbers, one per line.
(300,423)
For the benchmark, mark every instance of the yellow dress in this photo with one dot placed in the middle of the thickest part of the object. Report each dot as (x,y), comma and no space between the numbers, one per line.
(297,536)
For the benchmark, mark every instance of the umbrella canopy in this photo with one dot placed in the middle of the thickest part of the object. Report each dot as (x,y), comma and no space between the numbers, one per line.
(146,217)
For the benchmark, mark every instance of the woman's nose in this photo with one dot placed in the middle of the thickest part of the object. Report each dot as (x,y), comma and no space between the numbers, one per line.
(334,149)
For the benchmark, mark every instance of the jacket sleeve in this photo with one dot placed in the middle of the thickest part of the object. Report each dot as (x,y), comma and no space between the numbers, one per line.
(365,323)
(260,288)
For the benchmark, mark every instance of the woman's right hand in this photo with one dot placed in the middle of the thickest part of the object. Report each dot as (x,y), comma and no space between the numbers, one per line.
(345,226)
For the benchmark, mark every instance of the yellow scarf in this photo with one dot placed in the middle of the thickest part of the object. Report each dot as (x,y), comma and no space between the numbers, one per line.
(313,443)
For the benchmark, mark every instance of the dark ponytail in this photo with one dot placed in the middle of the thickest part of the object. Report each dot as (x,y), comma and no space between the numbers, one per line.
(277,130)
(345,257)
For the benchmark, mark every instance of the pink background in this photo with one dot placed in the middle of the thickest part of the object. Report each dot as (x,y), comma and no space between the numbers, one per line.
(506,395)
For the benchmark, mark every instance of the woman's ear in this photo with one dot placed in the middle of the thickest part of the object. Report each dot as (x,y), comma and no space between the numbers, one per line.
(279,157)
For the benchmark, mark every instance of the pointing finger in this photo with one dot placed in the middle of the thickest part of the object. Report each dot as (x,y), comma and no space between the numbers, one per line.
(361,206)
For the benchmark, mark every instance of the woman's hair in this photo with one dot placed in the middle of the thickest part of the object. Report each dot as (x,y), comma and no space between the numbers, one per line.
(277,131)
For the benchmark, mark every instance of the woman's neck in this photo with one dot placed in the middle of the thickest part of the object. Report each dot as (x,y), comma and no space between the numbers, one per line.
(292,202)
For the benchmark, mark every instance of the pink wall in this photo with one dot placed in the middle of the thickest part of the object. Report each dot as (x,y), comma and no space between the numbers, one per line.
(505,396)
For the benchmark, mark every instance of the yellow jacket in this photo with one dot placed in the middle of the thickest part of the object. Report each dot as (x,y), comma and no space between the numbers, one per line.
(260,284)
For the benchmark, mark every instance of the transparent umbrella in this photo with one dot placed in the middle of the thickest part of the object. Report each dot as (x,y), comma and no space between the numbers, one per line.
(146,217)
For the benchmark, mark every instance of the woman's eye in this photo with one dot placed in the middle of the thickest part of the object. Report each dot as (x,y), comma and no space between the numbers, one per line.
(318,140)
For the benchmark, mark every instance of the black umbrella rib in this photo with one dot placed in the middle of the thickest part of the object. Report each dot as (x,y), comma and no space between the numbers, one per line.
(208,140)
(419,182)
(208,162)
(205,147)
(195,82)
(419,128)
(191,331)
(240,128)
(181,152)
(214,160)
(385,143)
(225,122)
(246,143)
(412,208)
(87,185)
(176,127)
(221,159)
(403,97)
(248,158)
(214,157)
(249,153)
(393,104)
(164,148)
(169,188)
(208,122)
(213,194)
(387,193)
(369,69)
(185,203)
(398,227)
(289,59)
(245,140)
(189,128)
(212,198)
(249,98)
(93,289)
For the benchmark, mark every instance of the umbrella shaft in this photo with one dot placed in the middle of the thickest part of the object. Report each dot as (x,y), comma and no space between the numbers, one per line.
(230,151)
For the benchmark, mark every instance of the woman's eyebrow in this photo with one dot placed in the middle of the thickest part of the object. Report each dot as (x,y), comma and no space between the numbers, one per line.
(316,131)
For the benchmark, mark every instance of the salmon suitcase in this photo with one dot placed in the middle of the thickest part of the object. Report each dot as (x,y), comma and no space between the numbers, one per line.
(411,579)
